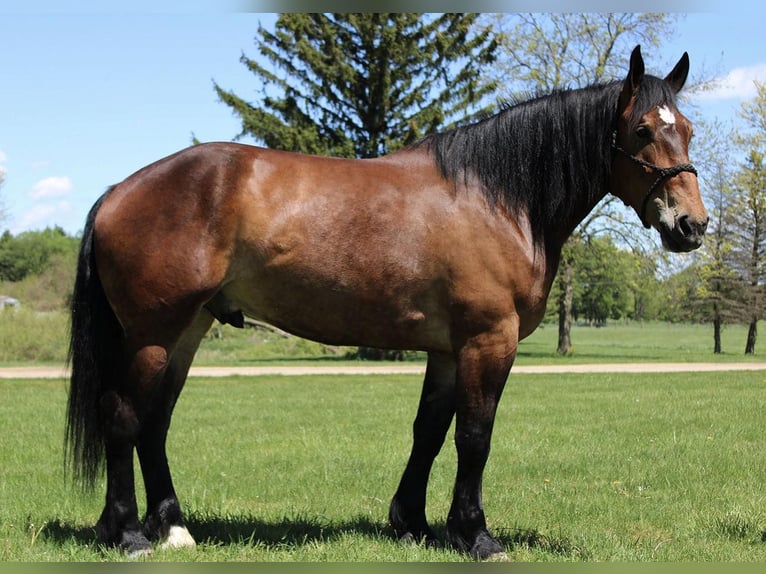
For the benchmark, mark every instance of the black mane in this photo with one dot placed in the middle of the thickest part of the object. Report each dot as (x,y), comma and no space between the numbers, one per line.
(549,156)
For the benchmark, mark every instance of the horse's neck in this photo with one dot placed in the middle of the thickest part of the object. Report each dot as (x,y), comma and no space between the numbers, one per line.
(592,183)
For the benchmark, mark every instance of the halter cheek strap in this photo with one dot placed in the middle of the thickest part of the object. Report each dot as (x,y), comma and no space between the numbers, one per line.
(663,173)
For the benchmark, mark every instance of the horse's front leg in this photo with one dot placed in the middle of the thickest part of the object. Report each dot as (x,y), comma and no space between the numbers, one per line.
(407,513)
(484,363)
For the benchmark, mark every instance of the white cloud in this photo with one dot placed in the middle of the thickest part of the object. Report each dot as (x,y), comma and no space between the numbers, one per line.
(3,157)
(51,187)
(41,216)
(737,84)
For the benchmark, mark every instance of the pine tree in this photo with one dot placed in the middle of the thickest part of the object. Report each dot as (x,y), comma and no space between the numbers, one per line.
(362,85)
(716,299)
(748,212)
(749,219)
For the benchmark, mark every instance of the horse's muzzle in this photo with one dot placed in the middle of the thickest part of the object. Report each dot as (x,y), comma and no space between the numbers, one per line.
(685,235)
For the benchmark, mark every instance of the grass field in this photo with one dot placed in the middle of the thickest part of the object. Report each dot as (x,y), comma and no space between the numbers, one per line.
(617,342)
(30,338)
(594,468)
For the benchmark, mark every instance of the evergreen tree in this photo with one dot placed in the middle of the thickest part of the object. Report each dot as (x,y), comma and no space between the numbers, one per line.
(362,85)
(748,213)
(716,298)
(749,257)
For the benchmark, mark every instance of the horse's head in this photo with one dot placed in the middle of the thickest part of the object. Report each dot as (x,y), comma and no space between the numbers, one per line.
(651,170)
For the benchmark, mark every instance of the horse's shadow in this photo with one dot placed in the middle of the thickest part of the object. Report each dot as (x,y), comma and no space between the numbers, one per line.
(286,532)
(299,531)
(244,529)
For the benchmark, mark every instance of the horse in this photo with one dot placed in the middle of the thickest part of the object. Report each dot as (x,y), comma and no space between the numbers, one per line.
(448,246)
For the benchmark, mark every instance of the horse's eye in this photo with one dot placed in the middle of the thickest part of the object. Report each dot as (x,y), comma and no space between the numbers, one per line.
(644,132)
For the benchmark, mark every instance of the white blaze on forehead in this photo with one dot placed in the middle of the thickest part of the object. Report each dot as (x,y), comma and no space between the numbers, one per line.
(666,115)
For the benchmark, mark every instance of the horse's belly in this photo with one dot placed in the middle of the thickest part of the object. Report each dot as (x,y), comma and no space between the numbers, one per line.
(334,315)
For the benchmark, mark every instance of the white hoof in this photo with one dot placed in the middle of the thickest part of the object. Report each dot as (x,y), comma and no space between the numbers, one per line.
(178,537)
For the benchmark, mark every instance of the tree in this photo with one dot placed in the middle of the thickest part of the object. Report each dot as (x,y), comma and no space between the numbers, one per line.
(362,85)
(545,52)
(29,252)
(748,214)
(603,295)
(608,282)
(642,286)
(749,217)
(717,294)
(676,291)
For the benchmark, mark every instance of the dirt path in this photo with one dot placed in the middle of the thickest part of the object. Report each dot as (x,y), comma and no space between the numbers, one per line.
(408,369)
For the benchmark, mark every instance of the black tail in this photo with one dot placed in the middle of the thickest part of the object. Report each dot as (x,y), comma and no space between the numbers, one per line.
(93,345)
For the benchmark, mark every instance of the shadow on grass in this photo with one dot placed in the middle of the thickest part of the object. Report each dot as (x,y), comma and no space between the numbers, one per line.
(60,531)
(538,541)
(224,530)
(289,531)
(299,530)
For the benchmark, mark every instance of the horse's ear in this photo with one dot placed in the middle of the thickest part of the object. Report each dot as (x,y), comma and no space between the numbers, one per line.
(677,78)
(635,75)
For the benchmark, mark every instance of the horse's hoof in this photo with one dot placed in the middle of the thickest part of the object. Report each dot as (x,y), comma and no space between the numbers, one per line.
(498,557)
(486,548)
(138,553)
(135,545)
(427,541)
(178,537)
(407,538)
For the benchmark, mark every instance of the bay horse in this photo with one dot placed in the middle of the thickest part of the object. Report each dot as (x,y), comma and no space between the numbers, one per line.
(448,246)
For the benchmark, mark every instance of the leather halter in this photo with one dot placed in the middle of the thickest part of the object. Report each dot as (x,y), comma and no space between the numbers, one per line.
(662,174)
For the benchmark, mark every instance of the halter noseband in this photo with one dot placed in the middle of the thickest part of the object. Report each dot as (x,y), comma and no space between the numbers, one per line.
(662,174)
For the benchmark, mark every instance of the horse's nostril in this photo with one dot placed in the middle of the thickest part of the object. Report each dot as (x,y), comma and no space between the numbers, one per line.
(692,228)
(685,226)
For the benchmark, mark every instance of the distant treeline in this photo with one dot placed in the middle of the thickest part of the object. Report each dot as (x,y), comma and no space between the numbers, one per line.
(31,252)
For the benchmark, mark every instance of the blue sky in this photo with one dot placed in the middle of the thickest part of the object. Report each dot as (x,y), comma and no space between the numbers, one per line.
(92,93)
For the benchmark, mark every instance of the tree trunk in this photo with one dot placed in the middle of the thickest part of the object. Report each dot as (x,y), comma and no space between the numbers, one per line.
(752,333)
(373,354)
(716,326)
(717,334)
(565,309)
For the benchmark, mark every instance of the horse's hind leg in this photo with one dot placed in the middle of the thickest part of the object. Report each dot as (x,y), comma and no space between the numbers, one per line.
(164,519)
(407,513)
(118,523)
(121,412)
(136,414)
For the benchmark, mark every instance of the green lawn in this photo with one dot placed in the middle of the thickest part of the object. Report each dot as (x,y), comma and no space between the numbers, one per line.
(638,342)
(596,468)
(617,342)
(29,338)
